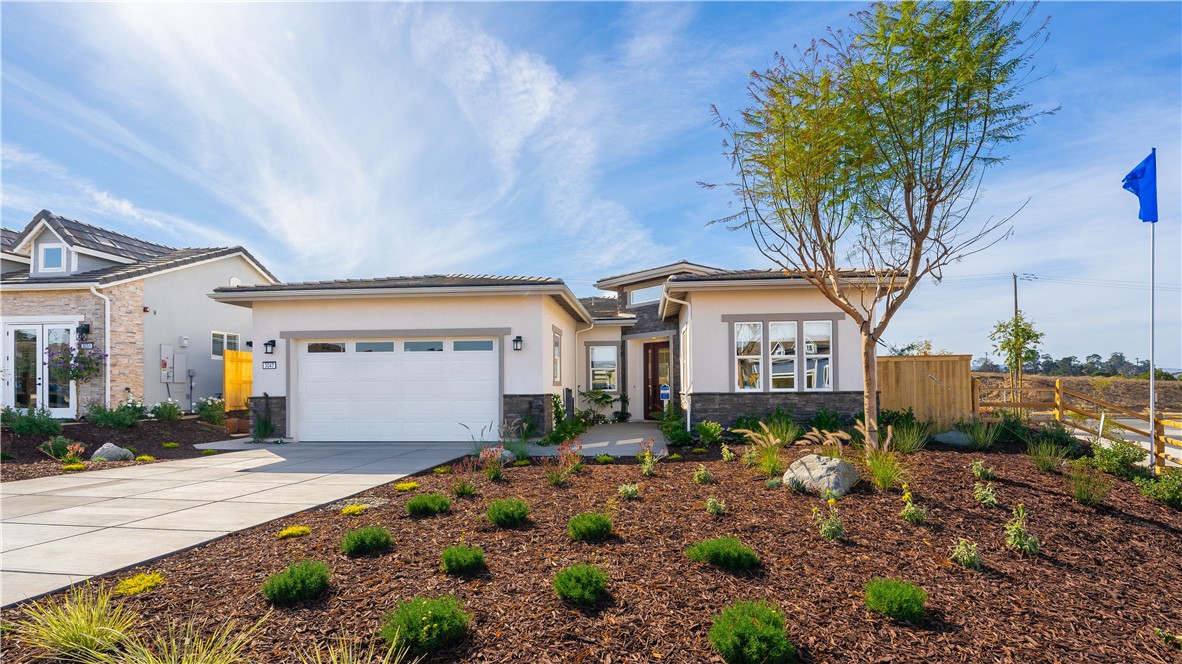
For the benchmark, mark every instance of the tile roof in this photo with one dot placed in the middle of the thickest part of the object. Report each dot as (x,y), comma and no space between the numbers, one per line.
(751,275)
(421,281)
(604,308)
(78,234)
(8,239)
(105,275)
(659,268)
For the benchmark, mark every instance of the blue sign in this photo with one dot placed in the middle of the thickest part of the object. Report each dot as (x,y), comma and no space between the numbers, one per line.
(665,392)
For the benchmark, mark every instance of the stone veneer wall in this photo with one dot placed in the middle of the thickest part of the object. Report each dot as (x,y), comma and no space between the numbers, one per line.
(535,407)
(278,414)
(127,338)
(647,321)
(724,407)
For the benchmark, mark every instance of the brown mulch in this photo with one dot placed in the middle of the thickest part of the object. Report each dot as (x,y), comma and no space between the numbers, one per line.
(1106,577)
(147,438)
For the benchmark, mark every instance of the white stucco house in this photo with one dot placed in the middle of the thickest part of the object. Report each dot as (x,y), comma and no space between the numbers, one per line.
(68,284)
(447,357)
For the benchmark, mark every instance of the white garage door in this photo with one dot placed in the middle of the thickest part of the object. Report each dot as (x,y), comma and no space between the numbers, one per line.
(398,389)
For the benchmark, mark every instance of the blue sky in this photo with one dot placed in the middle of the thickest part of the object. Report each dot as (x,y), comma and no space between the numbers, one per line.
(353,140)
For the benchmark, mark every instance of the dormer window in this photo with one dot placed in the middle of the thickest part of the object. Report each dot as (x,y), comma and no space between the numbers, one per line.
(645,295)
(52,258)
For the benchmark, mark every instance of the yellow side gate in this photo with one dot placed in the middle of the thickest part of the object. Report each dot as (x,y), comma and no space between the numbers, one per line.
(237,374)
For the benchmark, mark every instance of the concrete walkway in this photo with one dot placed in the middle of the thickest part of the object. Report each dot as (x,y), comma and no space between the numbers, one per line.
(56,531)
(616,439)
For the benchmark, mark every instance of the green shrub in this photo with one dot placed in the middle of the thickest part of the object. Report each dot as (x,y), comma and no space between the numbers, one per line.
(679,438)
(674,457)
(366,541)
(629,491)
(123,416)
(170,446)
(1165,488)
(461,559)
(166,411)
(965,554)
(74,467)
(773,483)
(715,506)
(703,475)
(982,435)
(139,584)
(590,527)
(1086,484)
(828,522)
(307,579)
(293,531)
(581,584)
(709,432)
(34,421)
(1058,435)
(983,493)
(346,650)
(508,512)
(1046,455)
(751,632)
(699,450)
(827,420)
(191,643)
(896,599)
(605,459)
(908,437)
(145,458)
(1017,537)
(1120,458)
(981,471)
(725,552)
(886,468)
(422,625)
(208,452)
(81,623)
(59,447)
(212,410)
(428,504)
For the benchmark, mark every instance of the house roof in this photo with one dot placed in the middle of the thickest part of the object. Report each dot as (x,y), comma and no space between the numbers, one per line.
(652,273)
(422,281)
(8,240)
(80,235)
(605,308)
(122,272)
(760,274)
(678,285)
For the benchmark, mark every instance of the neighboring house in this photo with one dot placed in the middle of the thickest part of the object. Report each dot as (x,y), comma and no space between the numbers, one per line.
(145,305)
(449,357)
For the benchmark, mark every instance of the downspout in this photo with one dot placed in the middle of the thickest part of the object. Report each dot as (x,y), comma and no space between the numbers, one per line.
(689,361)
(106,344)
(577,354)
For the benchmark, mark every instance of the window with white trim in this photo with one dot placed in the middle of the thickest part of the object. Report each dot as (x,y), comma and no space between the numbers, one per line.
(748,356)
(605,362)
(818,354)
(52,258)
(782,355)
(223,341)
(557,357)
(644,295)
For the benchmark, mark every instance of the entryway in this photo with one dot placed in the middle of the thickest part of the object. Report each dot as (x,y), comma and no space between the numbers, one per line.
(30,381)
(656,373)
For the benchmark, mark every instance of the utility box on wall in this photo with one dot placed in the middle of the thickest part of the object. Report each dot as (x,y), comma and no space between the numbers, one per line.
(174,367)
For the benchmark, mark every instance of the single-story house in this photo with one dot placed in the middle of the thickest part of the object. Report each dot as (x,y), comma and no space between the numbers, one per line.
(67,284)
(452,357)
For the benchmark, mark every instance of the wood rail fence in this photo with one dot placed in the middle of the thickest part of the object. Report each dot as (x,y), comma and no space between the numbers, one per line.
(1077,411)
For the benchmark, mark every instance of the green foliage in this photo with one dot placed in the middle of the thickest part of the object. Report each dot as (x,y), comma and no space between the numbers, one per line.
(82,622)
(192,643)
(911,512)
(828,522)
(1017,537)
(212,410)
(1165,488)
(709,432)
(699,450)
(1016,341)
(508,512)
(462,559)
(629,491)
(965,554)
(748,421)
(1046,455)
(715,506)
(773,483)
(896,599)
(293,531)
(581,584)
(725,552)
(982,435)
(1086,483)
(908,437)
(1058,435)
(895,418)
(1120,458)
(518,448)
(981,471)
(751,632)
(674,457)
(170,446)
(166,411)
(827,420)
(442,470)
(73,467)
(63,449)
(983,493)
(703,475)
(34,421)
(679,438)
(422,625)
(590,527)
(428,504)
(605,459)
(138,584)
(1168,637)
(307,579)
(123,416)
(728,455)
(886,468)
(208,452)
(366,541)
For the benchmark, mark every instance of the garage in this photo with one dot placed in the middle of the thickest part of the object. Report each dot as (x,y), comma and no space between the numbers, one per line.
(411,389)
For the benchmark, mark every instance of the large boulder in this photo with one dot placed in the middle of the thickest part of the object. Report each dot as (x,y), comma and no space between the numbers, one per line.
(112,452)
(954,438)
(821,473)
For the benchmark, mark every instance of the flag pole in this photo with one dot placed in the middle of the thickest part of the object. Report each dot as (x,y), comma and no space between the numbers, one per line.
(1152,369)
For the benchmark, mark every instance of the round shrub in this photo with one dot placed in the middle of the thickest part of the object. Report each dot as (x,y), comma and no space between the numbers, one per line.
(896,599)
(461,559)
(423,625)
(751,632)
(590,527)
(293,531)
(428,504)
(581,584)
(170,446)
(366,541)
(508,512)
(725,552)
(306,579)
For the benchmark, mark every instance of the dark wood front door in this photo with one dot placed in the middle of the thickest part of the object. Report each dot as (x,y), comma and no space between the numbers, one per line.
(656,373)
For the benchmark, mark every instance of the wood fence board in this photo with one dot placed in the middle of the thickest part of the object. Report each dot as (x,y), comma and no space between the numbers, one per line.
(237,378)
(936,387)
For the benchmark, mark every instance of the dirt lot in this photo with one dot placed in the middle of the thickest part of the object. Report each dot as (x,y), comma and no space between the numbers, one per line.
(1105,579)
(1131,393)
(147,437)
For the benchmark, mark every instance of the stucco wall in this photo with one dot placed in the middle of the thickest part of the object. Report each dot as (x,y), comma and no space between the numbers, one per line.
(605,334)
(554,316)
(179,306)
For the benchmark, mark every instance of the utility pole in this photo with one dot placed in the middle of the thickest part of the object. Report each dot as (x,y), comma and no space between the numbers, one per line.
(1016,372)
(1015,296)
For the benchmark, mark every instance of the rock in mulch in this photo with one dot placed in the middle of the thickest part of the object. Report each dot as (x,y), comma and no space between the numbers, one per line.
(953,438)
(112,452)
(821,473)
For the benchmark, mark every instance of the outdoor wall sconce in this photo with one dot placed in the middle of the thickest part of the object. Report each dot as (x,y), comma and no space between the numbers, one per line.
(269,347)
(82,330)
(517,342)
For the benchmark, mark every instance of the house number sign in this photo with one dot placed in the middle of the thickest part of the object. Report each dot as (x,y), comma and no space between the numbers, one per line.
(270,365)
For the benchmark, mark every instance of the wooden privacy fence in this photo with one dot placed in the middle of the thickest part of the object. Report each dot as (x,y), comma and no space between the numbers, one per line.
(1081,412)
(936,387)
(236,378)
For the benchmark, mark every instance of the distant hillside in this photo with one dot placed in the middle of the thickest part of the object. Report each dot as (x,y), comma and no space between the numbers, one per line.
(1131,393)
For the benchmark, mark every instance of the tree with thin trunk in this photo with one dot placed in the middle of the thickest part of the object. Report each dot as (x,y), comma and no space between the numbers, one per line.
(859,160)
(1016,341)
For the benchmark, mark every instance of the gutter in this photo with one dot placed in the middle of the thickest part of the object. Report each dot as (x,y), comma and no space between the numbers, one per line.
(689,360)
(106,344)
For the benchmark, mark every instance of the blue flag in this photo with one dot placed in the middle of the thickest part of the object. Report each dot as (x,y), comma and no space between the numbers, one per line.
(1142,181)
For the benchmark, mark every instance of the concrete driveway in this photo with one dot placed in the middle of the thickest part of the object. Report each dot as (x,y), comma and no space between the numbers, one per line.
(56,531)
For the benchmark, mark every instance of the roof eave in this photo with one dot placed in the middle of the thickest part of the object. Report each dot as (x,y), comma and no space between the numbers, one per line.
(653,273)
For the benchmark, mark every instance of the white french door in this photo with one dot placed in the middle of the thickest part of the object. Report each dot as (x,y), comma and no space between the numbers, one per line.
(30,381)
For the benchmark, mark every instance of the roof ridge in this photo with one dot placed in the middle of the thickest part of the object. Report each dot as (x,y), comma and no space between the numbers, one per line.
(107,230)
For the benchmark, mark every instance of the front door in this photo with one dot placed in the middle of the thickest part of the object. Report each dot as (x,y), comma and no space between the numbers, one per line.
(656,374)
(30,381)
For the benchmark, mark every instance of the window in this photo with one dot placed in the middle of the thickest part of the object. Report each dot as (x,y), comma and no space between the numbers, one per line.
(374,346)
(223,341)
(557,357)
(475,345)
(748,356)
(782,352)
(605,362)
(326,347)
(644,295)
(818,354)
(53,258)
(422,346)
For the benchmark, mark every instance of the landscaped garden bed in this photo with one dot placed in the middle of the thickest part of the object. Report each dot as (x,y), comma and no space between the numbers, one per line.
(1102,580)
